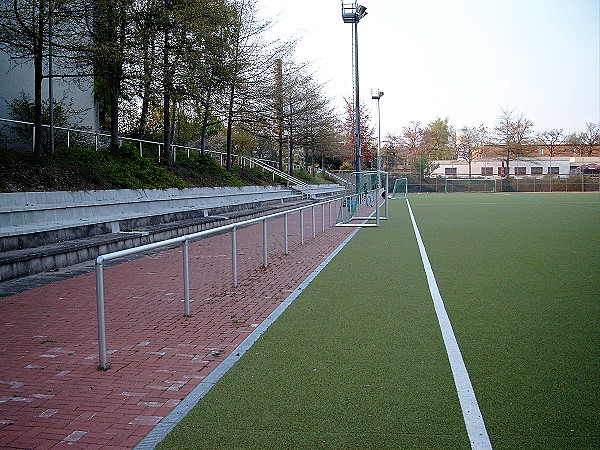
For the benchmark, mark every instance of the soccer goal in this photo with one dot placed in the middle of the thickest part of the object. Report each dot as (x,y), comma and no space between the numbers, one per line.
(400,188)
(363,201)
(470,185)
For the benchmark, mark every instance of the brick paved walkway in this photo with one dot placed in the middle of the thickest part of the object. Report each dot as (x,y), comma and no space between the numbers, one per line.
(51,393)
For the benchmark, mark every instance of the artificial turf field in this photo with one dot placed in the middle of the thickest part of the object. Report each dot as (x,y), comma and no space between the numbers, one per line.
(358,361)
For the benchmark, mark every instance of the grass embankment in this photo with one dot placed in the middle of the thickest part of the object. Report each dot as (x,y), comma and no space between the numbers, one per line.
(71,169)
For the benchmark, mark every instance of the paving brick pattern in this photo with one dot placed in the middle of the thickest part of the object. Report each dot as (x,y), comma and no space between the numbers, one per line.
(51,393)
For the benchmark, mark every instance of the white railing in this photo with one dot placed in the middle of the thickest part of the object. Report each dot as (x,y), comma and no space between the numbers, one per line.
(185,240)
(219,156)
(276,172)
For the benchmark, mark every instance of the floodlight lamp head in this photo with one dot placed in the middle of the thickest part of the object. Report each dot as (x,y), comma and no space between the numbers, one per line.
(376,94)
(361,11)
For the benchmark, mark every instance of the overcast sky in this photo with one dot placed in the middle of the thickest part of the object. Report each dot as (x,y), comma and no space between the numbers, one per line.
(462,59)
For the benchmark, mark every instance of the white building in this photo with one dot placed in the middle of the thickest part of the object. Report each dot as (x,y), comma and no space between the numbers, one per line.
(561,166)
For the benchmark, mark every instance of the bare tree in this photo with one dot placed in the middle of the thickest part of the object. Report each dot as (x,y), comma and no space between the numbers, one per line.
(468,142)
(513,134)
(24,35)
(590,138)
(551,139)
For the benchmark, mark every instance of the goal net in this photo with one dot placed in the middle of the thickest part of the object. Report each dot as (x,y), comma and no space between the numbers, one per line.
(361,202)
(470,185)
(400,189)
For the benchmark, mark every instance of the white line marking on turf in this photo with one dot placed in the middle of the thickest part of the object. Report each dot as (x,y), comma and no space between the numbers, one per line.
(466,395)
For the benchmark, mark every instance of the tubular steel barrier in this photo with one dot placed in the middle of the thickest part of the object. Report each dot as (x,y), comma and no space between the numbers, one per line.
(184,241)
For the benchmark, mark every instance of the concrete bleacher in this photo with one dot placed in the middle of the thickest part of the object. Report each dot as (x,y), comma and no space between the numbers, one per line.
(316,191)
(45,231)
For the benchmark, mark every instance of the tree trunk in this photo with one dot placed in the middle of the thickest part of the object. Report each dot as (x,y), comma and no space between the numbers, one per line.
(38,76)
(229,128)
(204,124)
(114,111)
(167,103)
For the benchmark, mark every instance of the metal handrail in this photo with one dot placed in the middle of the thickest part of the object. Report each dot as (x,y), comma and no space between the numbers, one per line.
(184,240)
(276,172)
(218,155)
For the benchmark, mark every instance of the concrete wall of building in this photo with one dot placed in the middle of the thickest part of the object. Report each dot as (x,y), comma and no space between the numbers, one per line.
(16,76)
(562,166)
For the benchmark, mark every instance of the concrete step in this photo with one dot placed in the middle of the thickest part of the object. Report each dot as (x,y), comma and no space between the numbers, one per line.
(52,256)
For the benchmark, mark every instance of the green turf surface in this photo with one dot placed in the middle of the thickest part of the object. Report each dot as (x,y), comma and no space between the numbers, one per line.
(519,276)
(357,361)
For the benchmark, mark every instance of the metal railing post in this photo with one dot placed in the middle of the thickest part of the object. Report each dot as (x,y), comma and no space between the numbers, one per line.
(102,365)
(186,278)
(302,226)
(312,213)
(285,233)
(68,138)
(323,218)
(265,261)
(234,256)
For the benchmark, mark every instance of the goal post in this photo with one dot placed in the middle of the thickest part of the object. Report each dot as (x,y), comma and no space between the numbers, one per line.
(400,189)
(362,202)
(470,185)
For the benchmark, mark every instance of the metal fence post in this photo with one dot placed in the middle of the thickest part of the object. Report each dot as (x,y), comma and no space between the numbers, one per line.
(265,261)
(186,278)
(323,218)
(285,233)
(234,255)
(302,226)
(312,213)
(100,312)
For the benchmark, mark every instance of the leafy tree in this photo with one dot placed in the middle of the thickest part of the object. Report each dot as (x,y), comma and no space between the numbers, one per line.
(436,138)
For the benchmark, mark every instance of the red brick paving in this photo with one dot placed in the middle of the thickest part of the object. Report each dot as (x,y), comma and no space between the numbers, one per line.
(51,393)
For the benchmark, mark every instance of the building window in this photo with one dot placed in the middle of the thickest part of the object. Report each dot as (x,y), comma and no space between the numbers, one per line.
(537,171)
(487,171)
(520,171)
(540,151)
(450,170)
(553,170)
(501,171)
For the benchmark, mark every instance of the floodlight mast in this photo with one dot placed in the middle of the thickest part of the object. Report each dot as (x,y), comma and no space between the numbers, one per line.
(352,13)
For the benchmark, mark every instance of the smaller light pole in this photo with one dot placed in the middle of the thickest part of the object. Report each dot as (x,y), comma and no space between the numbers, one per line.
(376,94)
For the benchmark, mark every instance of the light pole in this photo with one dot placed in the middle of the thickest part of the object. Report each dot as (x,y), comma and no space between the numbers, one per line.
(352,13)
(376,94)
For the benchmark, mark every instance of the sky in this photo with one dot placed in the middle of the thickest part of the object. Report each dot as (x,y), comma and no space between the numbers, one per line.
(466,60)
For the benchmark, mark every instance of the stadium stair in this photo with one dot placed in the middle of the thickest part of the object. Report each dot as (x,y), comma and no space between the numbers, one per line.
(47,231)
